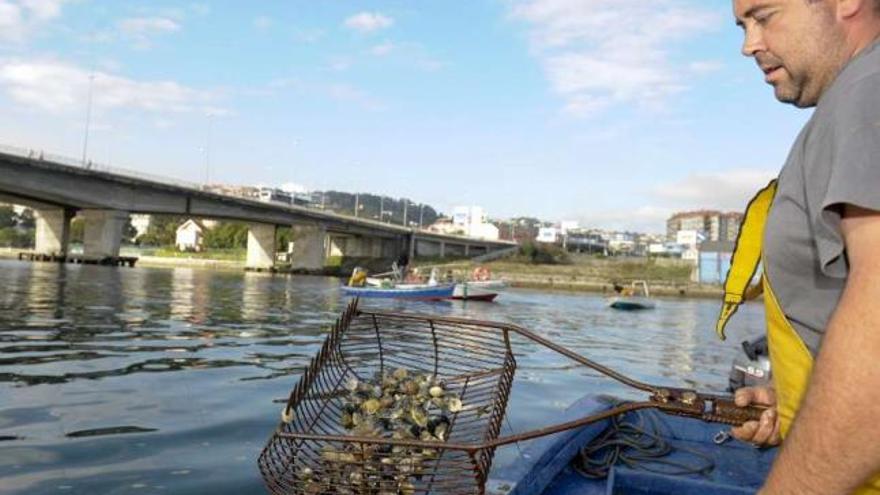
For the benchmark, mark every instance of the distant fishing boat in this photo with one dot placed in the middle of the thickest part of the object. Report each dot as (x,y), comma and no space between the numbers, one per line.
(633,298)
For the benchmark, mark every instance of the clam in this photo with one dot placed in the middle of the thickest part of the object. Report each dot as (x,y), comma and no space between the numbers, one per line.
(330,454)
(453,404)
(351,384)
(418,416)
(410,388)
(346,421)
(371,406)
(438,426)
(436,391)
(400,374)
(406,488)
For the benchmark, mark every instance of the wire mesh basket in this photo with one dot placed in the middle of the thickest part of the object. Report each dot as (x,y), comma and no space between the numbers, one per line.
(394,404)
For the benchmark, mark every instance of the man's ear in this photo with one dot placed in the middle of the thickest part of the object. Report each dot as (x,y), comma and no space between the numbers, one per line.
(847,9)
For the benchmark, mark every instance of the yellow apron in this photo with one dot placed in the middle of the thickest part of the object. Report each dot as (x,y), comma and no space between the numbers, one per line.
(790,360)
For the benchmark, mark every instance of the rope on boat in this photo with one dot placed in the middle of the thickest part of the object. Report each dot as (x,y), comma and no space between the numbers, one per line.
(637,444)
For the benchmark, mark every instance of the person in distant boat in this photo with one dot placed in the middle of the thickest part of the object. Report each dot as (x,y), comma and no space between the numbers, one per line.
(820,228)
(400,266)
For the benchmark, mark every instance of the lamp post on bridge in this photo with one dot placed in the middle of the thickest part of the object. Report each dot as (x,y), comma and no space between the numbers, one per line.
(88,118)
(405,208)
(421,211)
(357,205)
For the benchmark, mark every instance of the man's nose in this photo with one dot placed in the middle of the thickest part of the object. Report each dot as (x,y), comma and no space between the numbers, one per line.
(753,42)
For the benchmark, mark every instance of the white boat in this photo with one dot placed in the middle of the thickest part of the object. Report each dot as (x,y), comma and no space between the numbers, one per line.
(633,299)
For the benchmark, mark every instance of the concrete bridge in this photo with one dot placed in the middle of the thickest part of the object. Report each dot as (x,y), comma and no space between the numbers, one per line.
(58,188)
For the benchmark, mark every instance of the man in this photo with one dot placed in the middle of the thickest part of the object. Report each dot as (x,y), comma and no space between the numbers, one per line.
(820,256)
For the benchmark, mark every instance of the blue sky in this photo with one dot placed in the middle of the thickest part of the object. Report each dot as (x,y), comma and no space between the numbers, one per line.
(611,112)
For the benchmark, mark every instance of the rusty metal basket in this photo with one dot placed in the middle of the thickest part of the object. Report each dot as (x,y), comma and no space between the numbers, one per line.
(313,453)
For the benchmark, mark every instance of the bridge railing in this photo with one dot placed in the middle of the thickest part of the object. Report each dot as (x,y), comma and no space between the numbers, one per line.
(92,165)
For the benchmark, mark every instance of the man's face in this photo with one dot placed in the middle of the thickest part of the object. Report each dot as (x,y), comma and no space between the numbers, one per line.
(797,44)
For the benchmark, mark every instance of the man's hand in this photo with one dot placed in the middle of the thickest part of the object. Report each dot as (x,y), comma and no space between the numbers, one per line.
(763,433)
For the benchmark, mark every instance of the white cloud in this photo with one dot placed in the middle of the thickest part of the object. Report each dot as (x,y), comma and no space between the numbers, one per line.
(601,52)
(262,22)
(339,64)
(200,9)
(349,94)
(367,22)
(308,36)
(728,190)
(639,219)
(21,18)
(43,9)
(725,191)
(141,29)
(60,87)
(340,92)
(705,66)
(382,49)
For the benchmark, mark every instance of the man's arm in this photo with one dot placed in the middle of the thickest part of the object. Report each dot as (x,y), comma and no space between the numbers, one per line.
(833,445)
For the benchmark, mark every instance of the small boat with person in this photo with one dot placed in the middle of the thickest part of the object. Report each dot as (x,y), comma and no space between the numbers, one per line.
(360,285)
(635,297)
(480,287)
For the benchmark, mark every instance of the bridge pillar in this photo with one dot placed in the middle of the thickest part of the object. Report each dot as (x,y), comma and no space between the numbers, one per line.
(52,231)
(442,249)
(102,235)
(467,249)
(412,247)
(260,246)
(309,247)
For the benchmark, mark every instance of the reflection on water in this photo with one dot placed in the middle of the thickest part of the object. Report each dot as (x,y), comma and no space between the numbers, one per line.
(168,380)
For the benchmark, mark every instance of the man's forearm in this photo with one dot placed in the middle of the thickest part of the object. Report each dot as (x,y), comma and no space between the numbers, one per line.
(832,447)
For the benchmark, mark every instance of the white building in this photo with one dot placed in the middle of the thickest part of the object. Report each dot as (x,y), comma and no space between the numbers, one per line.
(190,235)
(689,238)
(474,222)
(548,234)
(566,225)
(140,223)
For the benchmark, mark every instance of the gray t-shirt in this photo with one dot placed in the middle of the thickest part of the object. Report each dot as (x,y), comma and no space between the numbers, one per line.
(835,161)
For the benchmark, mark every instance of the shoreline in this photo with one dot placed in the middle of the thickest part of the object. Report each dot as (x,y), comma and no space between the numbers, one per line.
(566,278)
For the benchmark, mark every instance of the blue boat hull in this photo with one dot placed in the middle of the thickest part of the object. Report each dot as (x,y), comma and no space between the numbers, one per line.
(546,465)
(426,293)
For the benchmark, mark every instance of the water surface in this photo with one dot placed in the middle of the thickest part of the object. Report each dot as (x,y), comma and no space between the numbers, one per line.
(160,380)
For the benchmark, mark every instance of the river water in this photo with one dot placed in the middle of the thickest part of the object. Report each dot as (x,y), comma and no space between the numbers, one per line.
(168,380)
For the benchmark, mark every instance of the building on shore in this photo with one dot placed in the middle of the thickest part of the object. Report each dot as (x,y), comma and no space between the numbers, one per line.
(140,222)
(712,224)
(714,261)
(444,225)
(190,235)
(474,222)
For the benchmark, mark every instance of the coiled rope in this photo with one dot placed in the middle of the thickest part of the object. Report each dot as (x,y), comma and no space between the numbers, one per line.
(636,442)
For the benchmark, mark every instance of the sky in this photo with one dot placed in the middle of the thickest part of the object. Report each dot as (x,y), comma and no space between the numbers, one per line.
(614,113)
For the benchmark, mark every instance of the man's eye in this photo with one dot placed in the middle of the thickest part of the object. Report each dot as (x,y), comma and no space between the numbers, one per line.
(763,17)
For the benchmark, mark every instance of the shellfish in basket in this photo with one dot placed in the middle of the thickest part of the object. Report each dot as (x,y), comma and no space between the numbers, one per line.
(397,403)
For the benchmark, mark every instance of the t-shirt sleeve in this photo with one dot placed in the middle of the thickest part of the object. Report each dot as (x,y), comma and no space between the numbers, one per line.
(854,176)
